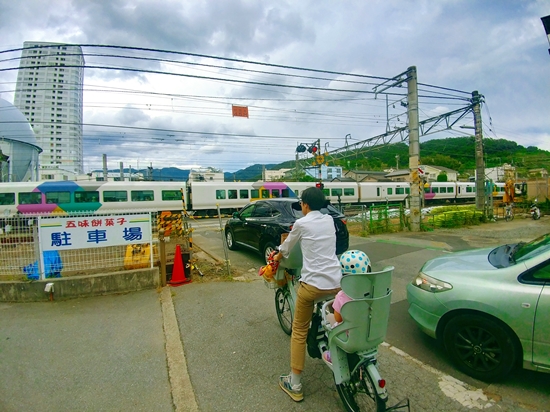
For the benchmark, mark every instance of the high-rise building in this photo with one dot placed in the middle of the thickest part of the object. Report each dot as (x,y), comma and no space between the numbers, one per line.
(49,92)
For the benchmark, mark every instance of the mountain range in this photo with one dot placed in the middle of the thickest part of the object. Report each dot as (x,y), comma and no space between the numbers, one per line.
(457,153)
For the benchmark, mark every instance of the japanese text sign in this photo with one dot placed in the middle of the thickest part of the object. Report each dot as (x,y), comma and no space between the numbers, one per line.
(93,231)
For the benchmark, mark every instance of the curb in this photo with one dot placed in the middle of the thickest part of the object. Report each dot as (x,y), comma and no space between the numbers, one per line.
(183,396)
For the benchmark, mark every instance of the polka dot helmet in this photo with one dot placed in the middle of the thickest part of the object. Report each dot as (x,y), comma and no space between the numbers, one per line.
(355,261)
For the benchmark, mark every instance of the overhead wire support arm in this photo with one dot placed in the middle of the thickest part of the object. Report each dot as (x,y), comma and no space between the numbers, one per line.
(436,120)
(397,81)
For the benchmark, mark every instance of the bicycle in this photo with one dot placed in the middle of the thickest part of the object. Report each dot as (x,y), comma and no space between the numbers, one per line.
(353,344)
(509,212)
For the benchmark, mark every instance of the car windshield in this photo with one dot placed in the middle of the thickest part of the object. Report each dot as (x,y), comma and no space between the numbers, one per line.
(524,251)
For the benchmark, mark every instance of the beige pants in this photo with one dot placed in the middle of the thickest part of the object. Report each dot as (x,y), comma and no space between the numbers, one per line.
(307,295)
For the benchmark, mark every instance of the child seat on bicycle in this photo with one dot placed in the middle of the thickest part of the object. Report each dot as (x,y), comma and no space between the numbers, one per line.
(366,315)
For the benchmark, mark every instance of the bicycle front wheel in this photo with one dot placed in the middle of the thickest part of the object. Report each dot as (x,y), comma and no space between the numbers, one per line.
(284,311)
(359,394)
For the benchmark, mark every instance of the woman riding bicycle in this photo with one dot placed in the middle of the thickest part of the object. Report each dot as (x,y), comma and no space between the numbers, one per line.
(320,277)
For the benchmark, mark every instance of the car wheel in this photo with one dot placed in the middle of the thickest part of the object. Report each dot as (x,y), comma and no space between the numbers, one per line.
(268,248)
(480,347)
(229,237)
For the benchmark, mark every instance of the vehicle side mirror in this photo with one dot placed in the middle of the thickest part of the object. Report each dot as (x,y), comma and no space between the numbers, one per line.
(236,215)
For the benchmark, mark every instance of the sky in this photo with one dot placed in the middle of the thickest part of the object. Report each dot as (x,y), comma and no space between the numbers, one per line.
(160,93)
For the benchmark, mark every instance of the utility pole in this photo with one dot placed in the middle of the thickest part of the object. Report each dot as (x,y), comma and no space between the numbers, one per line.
(105,168)
(414,149)
(480,166)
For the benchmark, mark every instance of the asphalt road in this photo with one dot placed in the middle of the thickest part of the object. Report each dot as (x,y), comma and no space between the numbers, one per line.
(218,346)
(408,252)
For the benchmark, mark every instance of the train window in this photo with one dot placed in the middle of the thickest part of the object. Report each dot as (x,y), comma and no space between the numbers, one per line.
(435,189)
(142,196)
(275,193)
(399,190)
(286,192)
(243,194)
(450,190)
(254,193)
(7,199)
(231,194)
(390,191)
(407,190)
(220,194)
(168,195)
(469,189)
(30,198)
(442,190)
(85,197)
(336,192)
(58,197)
(115,196)
(326,192)
(349,191)
(297,193)
(427,189)
(265,193)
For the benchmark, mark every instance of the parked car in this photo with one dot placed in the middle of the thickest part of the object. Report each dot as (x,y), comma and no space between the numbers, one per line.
(260,224)
(489,307)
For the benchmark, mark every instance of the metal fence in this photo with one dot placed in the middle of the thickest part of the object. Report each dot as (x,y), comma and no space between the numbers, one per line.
(379,218)
(20,247)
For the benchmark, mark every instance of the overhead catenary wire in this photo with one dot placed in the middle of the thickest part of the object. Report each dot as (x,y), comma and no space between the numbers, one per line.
(430,94)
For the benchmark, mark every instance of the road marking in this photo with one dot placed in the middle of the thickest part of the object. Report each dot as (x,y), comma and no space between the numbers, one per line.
(453,388)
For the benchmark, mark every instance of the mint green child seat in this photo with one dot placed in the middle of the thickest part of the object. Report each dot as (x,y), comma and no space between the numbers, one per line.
(365,317)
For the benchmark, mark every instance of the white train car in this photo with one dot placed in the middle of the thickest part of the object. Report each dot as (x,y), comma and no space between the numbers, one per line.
(439,192)
(89,197)
(205,197)
(465,191)
(341,192)
(381,192)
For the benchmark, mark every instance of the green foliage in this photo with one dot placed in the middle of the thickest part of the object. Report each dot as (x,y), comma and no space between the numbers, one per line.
(454,216)
(442,177)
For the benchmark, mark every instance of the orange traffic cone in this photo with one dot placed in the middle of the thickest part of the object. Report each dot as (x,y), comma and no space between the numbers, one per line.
(178,274)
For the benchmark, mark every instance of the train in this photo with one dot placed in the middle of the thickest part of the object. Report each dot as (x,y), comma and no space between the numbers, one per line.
(204,198)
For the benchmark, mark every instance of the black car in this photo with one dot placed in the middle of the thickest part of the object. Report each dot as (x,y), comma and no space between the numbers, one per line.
(260,224)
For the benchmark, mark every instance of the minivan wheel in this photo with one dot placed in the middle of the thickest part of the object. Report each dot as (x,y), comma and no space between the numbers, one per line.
(268,248)
(230,239)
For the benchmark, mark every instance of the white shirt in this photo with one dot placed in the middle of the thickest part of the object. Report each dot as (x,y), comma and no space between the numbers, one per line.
(320,266)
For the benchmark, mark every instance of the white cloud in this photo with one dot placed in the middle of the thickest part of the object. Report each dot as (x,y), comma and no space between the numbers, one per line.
(497,48)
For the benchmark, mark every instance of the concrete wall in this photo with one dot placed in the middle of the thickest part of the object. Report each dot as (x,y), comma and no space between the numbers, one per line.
(80,286)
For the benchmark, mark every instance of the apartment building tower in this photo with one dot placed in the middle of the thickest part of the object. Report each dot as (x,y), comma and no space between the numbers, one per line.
(49,92)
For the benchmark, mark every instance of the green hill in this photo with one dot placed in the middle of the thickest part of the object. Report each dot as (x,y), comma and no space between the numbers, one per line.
(456,153)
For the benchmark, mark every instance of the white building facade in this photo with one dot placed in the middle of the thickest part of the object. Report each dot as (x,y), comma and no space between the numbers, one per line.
(49,92)
(327,172)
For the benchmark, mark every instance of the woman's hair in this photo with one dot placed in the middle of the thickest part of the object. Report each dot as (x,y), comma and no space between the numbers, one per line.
(314,198)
